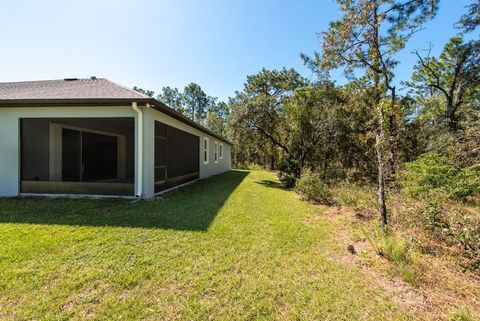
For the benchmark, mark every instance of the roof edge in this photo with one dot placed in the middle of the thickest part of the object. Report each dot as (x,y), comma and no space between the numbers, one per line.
(92,102)
(55,102)
(175,114)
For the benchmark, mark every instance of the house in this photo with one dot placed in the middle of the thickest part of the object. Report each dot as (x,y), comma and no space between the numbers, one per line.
(95,137)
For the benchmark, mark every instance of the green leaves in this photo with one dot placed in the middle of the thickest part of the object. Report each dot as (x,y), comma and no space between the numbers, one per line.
(274,82)
(432,173)
(471,20)
(369,33)
(173,98)
(195,101)
(453,77)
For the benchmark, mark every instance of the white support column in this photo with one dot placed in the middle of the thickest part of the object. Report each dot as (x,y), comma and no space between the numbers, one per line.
(149,154)
(138,151)
(9,154)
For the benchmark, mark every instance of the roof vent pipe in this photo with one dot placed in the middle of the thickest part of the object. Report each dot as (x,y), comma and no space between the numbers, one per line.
(139,149)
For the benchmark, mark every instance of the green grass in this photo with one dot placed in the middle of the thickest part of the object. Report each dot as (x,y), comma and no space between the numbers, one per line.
(232,247)
(396,250)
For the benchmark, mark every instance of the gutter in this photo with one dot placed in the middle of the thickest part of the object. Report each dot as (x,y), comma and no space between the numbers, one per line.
(139,144)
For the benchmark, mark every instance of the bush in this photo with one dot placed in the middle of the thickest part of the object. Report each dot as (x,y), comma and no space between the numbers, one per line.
(455,227)
(434,173)
(288,180)
(434,218)
(287,174)
(468,236)
(311,187)
(360,197)
(397,251)
(345,197)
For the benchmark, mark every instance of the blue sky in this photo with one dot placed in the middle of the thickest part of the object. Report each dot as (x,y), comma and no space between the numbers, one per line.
(152,44)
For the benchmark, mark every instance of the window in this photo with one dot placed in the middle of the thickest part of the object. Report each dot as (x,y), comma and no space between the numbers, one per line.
(215,152)
(205,150)
(221,151)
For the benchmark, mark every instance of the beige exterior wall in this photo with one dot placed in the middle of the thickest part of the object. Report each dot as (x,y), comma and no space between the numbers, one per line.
(206,170)
(10,141)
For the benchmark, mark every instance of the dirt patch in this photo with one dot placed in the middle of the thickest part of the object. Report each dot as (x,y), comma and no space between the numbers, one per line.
(441,289)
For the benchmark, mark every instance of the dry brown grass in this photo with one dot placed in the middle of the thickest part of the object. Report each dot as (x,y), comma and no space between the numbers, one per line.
(441,286)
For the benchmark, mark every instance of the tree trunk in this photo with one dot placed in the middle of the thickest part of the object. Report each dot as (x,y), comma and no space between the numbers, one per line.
(451,120)
(379,146)
(391,137)
(381,149)
(450,115)
(380,132)
(272,159)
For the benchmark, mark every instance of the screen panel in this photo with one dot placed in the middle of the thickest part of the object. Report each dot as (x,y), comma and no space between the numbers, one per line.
(71,155)
(52,152)
(99,157)
(160,157)
(182,155)
(176,156)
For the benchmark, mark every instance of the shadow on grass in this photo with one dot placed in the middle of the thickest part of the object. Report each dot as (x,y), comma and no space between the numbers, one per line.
(193,208)
(272,184)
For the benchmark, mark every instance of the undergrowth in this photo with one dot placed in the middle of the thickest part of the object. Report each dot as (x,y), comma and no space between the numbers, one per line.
(432,224)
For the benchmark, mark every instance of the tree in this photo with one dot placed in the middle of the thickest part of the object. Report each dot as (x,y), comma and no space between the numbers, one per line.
(146,92)
(366,38)
(470,21)
(316,131)
(249,146)
(261,106)
(217,117)
(455,76)
(172,98)
(195,102)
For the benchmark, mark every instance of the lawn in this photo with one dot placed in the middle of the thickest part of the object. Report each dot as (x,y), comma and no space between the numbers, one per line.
(232,247)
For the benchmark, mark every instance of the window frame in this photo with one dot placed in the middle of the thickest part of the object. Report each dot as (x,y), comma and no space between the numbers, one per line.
(206,147)
(215,152)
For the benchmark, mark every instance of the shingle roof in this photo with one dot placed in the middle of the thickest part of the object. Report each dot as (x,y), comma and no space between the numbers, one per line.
(83,92)
(92,88)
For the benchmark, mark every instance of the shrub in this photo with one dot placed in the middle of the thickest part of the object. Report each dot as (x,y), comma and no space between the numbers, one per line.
(396,250)
(468,237)
(434,173)
(360,197)
(345,197)
(311,187)
(288,180)
(455,227)
(433,217)
(287,174)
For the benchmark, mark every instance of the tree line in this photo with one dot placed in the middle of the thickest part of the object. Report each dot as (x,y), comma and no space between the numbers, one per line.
(195,104)
(364,130)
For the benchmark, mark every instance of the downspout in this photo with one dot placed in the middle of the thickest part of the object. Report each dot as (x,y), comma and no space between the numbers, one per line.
(139,149)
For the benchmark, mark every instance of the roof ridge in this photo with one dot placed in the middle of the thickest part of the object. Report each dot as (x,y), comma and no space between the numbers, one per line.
(48,80)
(124,87)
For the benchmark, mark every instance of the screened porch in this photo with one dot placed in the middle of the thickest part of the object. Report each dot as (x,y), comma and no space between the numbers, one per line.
(88,156)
